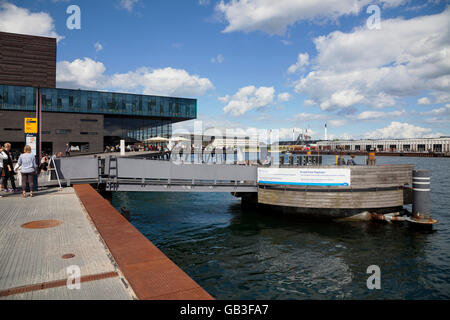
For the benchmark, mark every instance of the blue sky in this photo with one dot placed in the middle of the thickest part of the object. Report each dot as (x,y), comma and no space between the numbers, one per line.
(261,64)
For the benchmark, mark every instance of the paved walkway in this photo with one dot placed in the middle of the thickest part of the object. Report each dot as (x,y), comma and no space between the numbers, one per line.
(31,259)
(43,236)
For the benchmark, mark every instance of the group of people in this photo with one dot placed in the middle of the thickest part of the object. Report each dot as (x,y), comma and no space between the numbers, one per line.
(26,166)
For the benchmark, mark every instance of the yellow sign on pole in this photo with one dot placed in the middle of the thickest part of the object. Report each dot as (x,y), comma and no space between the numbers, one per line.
(31,125)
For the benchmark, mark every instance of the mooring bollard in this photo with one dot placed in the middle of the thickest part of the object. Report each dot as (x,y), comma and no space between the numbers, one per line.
(421,192)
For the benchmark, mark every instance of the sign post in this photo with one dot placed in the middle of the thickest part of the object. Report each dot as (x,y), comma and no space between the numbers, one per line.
(31,130)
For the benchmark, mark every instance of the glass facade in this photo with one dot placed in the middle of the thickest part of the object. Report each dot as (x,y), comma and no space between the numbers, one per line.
(126,116)
(107,103)
(136,128)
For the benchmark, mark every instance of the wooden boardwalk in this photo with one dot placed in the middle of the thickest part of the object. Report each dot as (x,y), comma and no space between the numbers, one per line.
(81,229)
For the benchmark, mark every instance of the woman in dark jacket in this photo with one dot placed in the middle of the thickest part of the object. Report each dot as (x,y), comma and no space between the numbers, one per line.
(8,169)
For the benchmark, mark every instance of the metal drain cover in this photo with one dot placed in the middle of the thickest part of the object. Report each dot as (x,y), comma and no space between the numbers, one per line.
(41,224)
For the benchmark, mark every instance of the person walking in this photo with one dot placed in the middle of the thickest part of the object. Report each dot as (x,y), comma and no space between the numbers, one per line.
(3,157)
(67,150)
(8,171)
(28,162)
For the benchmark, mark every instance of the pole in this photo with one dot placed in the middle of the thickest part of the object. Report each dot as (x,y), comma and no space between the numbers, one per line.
(421,189)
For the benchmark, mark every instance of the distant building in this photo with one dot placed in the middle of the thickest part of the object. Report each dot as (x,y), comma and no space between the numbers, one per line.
(87,120)
(402,145)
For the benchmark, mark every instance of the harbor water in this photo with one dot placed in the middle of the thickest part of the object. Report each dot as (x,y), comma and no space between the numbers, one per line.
(236,253)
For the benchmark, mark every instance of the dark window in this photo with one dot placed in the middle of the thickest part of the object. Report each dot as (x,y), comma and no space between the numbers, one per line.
(63,131)
(45,132)
(89,133)
(89,104)
(124,106)
(437,147)
(71,101)
(12,129)
(22,101)
(88,120)
(59,103)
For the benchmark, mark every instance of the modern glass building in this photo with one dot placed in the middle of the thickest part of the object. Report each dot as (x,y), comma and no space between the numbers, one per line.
(131,117)
(87,120)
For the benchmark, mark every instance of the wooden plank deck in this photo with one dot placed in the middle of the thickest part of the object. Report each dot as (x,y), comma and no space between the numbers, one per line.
(31,263)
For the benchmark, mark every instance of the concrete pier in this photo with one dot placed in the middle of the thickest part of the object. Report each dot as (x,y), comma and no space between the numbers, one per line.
(43,236)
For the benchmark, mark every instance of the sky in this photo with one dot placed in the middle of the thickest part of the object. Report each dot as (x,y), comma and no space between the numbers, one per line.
(366,68)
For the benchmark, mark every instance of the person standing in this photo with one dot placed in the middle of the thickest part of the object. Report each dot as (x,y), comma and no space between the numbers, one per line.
(351,161)
(67,150)
(3,157)
(8,171)
(28,162)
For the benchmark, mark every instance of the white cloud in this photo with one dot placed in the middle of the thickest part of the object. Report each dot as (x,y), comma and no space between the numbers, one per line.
(424,100)
(302,61)
(224,99)
(249,98)
(203,2)
(341,99)
(376,67)
(89,74)
(274,17)
(98,46)
(443,111)
(440,115)
(309,102)
(20,20)
(80,74)
(309,117)
(166,81)
(218,59)
(337,123)
(399,130)
(127,4)
(340,136)
(283,97)
(373,115)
